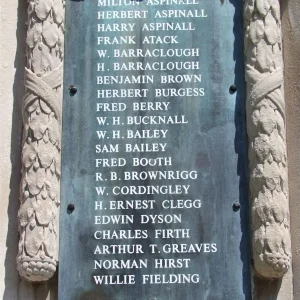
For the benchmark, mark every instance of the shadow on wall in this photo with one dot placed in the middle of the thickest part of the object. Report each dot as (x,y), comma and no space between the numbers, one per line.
(266,289)
(15,288)
(240,145)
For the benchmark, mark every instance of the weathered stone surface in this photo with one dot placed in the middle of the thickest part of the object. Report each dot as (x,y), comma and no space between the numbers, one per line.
(40,199)
(266,130)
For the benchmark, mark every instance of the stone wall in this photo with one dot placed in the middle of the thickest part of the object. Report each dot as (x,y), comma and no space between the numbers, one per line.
(291,46)
(12,61)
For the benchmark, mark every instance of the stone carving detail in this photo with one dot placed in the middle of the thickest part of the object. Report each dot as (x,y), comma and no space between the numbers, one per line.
(266,130)
(40,185)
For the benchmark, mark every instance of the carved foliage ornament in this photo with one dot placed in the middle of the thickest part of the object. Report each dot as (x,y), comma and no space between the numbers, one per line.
(40,185)
(271,240)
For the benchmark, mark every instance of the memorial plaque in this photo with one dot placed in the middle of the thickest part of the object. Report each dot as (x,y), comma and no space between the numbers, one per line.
(154,163)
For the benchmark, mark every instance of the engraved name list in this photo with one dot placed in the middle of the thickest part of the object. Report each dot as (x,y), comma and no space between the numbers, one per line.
(143,194)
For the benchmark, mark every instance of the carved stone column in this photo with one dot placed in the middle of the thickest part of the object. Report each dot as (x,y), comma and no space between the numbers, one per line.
(271,242)
(40,185)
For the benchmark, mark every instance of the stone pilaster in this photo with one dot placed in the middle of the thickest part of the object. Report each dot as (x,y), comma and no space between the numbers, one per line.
(40,184)
(266,125)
